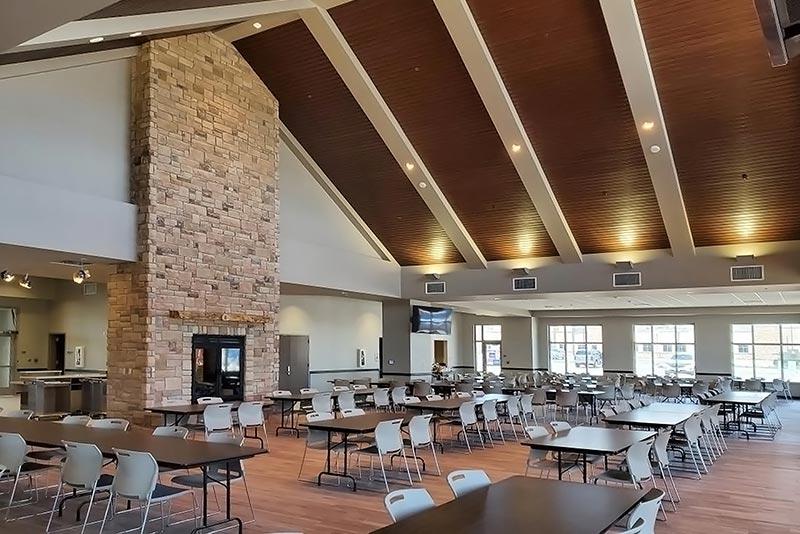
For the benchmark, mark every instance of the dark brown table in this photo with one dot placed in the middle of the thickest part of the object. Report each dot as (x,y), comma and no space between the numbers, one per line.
(526,504)
(454,403)
(585,440)
(359,424)
(167,451)
(305,397)
(647,418)
(183,411)
(738,401)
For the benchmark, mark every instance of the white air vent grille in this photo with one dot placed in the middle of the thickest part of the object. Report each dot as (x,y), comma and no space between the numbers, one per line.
(630,279)
(435,288)
(524,283)
(747,273)
(89,289)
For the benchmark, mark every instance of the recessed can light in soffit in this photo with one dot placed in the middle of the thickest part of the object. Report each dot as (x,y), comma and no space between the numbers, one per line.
(94,40)
(135,34)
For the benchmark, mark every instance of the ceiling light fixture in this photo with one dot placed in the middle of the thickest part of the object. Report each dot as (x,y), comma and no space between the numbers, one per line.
(135,34)
(81,275)
(648,125)
(7,276)
(257,25)
(655,149)
(25,282)
(410,166)
(95,40)
(515,148)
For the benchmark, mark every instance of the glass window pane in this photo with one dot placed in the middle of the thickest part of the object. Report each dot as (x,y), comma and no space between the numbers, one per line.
(790,334)
(663,333)
(594,359)
(685,333)
(557,357)
(478,332)
(642,333)
(791,362)
(576,333)
(684,360)
(766,333)
(768,361)
(664,360)
(643,358)
(594,333)
(742,361)
(492,332)
(479,356)
(557,334)
(576,358)
(742,333)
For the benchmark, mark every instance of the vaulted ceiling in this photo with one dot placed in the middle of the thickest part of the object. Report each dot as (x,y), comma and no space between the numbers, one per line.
(579,173)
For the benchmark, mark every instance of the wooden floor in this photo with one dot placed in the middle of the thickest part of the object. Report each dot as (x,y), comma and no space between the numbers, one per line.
(754,488)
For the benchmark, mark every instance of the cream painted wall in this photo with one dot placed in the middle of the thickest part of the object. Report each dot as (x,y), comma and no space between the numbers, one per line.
(84,320)
(337,328)
(516,344)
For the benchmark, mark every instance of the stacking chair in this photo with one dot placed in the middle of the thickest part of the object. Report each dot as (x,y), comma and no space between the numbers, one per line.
(137,479)
(781,387)
(642,520)
(318,440)
(464,387)
(514,411)
(366,382)
(251,415)
(308,390)
(341,388)
(422,388)
(627,391)
(716,421)
(608,395)
(218,418)
(567,401)
(538,459)
(13,464)
(433,397)
(692,433)
(388,441)
(463,395)
(322,403)
(752,384)
(398,394)
(18,414)
(381,399)
(699,390)
(346,400)
(467,480)
(539,401)
(637,459)
(58,454)
(710,437)
(410,400)
(660,446)
(179,432)
(526,409)
(407,502)
(110,423)
(671,392)
(419,432)
(489,409)
(467,419)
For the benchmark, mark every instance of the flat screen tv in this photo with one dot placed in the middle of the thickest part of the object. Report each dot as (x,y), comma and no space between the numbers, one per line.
(427,320)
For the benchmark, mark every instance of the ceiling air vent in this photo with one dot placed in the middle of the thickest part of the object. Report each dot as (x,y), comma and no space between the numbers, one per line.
(630,279)
(89,289)
(747,273)
(524,283)
(435,288)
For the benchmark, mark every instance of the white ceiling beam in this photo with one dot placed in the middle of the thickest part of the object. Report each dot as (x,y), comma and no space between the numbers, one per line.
(344,60)
(80,31)
(633,60)
(234,32)
(322,179)
(481,67)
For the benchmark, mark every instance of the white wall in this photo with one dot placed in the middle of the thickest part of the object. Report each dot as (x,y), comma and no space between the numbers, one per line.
(84,321)
(337,328)
(319,246)
(516,344)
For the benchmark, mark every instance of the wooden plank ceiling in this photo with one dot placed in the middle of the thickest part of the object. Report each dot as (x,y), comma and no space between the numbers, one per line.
(559,67)
(319,110)
(733,120)
(407,51)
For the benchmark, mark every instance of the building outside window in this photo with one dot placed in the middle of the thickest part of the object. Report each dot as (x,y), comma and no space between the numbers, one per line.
(766,351)
(488,354)
(664,350)
(576,349)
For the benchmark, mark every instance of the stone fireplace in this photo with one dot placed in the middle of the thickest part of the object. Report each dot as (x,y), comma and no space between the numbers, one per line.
(204,146)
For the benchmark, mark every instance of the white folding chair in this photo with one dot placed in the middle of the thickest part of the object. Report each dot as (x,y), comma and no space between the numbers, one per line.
(539,459)
(381,398)
(321,403)
(218,418)
(398,395)
(251,416)
(18,414)
(514,411)
(660,447)
(58,454)
(466,480)
(346,400)
(489,409)
(645,514)
(388,441)
(318,440)
(178,432)
(13,464)
(419,432)
(407,502)
(110,423)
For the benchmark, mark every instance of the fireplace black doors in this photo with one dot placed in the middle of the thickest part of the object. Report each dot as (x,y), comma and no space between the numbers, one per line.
(218,367)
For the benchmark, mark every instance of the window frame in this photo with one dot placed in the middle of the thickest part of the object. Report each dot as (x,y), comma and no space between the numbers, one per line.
(652,344)
(736,347)
(585,343)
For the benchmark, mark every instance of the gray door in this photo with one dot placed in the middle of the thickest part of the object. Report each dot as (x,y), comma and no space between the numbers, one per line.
(294,363)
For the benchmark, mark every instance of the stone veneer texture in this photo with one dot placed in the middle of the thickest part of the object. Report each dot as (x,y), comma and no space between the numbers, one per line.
(204,154)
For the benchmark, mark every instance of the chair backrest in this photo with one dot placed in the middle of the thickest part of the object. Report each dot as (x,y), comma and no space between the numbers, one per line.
(18,414)
(317,437)
(526,403)
(381,397)
(540,397)
(340,382)
(671,391)
(77,420)
(489,409)
(179,432)
(321,403)
(627,391)
(559,426)
(422,388)
(419,430)
(466,412)
(699,388)
(513,407)
(217,417)
(647,511)
(251,414)
(567,398)
(281,393)
(464,387)
(83,465)
(536,431)
(111,423)
(136,476)
(635,528)
(362,382)
(752,384)
(434,397)
(210,400)
(360,386)
(410,400)
(466,480)
(388,438)
(309,390)
(346,400)
(660,447)
(12,451)
(407,502)
(638,459)
(692,428)
(463,395)
(352,412)
(341,388)
(398,394)
(607,412)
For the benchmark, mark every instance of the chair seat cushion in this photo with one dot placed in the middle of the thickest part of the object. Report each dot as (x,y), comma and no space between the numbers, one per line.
(615,475)
(166,492)
(191,481)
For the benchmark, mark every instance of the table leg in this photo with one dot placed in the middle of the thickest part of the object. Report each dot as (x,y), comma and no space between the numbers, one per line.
(292,427)
(584,468)
(204,469)
(559,465)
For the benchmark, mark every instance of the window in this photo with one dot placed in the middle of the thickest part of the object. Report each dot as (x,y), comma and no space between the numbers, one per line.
(664,349)
(766,351)
(576,349)
(487,348)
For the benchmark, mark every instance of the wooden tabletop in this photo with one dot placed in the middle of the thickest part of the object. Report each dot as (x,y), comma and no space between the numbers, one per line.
(675,407)
(168,451)
(589,439)
(358,424)
(191,409)
(308,396)
(526,504)
(453,403)
(739,397)
(649,418)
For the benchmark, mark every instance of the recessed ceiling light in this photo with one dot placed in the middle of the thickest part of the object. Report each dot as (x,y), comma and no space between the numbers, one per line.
(648,125)
(423,185)
(135,34)
(257,25)
(655,149)
(95,39)
(410,166)
(515,148)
